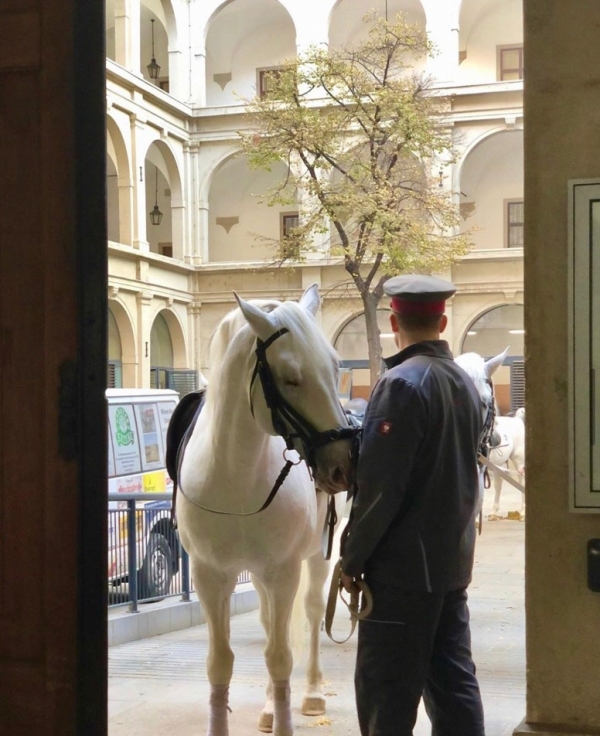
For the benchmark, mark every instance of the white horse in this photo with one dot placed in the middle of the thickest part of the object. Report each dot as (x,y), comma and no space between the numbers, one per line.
(231,463)
(481,372)
(509,454)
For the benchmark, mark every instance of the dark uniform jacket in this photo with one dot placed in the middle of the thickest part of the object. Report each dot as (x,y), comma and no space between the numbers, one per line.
(413,520)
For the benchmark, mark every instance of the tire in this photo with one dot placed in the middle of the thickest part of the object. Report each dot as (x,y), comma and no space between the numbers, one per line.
(156,573)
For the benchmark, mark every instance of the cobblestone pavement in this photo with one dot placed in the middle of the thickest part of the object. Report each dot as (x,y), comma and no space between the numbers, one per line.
(159,685)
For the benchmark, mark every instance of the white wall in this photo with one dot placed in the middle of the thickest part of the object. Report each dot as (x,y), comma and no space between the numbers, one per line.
(236,192)
(347,27)
(242,37)
(484,26)
(491,174)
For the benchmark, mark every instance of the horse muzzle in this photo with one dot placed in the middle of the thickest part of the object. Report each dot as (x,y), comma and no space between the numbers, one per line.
(335,467)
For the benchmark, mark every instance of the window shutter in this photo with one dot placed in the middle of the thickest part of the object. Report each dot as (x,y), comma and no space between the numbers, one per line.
(182,381)
(114,377)
(517,384)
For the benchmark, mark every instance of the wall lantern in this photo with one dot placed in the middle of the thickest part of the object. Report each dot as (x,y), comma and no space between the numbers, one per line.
(156,215)
(153,68)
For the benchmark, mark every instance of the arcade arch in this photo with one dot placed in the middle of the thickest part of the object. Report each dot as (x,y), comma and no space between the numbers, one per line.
(112,200)
(347,26)
(489,334)
(484,26)
(167,348)
(119,185)
(161,12)
(122,359)
(491,185)
(237,211)
(350,344)
(245,39)
(163,188)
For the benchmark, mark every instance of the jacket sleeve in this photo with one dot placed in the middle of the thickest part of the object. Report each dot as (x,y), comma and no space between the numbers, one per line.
(394,427)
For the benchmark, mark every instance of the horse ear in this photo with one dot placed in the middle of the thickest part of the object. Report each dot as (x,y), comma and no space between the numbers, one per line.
(492,365)
(310,300)
(259,321)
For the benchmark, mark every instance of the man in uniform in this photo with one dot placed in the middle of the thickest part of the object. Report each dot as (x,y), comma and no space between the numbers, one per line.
(412,528)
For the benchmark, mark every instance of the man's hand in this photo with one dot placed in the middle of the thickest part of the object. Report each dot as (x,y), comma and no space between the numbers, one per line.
(348,582)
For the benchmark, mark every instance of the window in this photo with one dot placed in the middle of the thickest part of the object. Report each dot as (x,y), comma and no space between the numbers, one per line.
(164,84)
(166,249)
(510,63)
(515,224)
(266,78)
(289,222)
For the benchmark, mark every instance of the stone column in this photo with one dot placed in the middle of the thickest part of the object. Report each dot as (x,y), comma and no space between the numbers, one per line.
(194,313)
(127,34)
(140,205)
(144,320)
(126,200)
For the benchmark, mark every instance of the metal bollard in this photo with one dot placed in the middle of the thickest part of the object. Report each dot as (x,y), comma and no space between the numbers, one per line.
(132,557)
(185,575)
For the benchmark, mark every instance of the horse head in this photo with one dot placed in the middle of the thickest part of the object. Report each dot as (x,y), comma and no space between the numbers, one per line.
(481,372)
(293,388)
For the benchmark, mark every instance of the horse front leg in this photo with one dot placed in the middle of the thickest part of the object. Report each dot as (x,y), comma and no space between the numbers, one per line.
(313,703)
(214,590)
(280,590)
(265,720)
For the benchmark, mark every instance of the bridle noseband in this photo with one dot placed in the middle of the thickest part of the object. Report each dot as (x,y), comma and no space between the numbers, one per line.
(287,422)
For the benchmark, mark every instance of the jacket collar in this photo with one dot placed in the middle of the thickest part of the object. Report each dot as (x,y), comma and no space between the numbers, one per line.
(432,348)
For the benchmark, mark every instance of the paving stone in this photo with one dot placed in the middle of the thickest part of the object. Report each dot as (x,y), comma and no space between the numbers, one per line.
(159,685)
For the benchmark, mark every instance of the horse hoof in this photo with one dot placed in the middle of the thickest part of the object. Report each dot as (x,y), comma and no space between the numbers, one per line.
(265,722)
(493,517)
(313,705)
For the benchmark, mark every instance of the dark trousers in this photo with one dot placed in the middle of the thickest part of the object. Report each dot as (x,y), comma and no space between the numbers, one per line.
(415,645)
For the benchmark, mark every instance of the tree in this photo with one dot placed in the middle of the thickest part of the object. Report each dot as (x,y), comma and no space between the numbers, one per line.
(364,140)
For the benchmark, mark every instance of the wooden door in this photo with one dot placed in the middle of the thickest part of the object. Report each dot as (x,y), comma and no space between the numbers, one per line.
(52,369)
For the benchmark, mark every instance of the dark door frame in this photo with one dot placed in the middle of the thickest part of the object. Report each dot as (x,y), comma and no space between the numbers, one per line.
(89,77)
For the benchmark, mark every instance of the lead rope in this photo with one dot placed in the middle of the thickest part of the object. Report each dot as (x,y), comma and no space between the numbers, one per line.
(353,604)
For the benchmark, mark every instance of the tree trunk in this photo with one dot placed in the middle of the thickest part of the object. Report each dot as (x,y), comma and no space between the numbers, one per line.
(371,302)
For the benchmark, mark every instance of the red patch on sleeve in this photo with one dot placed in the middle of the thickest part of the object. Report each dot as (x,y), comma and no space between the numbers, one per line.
(385,427)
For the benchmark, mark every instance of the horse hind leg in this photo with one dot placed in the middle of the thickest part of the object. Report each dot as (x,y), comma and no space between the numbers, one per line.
(313,703)
(495,515)
(214,591)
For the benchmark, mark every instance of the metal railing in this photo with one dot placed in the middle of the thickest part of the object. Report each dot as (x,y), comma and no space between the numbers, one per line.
(141,538)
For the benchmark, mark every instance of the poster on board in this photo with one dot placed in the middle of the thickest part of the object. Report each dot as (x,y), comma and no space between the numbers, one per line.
(124,439)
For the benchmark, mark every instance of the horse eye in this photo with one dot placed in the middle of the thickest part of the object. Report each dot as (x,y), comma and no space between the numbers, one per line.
(291,382)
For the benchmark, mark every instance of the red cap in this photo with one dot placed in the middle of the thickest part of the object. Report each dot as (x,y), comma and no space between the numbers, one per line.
(406,306)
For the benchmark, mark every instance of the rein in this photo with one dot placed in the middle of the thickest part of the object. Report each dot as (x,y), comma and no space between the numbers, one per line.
(282,414)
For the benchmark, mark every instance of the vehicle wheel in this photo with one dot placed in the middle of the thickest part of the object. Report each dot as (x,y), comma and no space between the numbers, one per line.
(156,573)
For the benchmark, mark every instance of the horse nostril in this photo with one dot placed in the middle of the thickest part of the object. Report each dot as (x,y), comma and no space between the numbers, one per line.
(338,476)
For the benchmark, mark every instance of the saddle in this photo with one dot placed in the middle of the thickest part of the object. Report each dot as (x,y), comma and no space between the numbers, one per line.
(182,422)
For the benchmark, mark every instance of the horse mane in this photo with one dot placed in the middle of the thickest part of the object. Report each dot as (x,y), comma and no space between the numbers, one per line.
(229,326)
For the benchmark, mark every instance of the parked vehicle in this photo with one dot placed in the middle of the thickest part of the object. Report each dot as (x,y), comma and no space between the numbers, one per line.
(137,428)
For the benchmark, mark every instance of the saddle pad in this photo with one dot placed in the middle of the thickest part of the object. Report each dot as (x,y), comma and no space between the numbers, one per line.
(184,416)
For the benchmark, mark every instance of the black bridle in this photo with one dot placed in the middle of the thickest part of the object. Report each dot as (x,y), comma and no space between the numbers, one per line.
(287,422)
(488,422)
